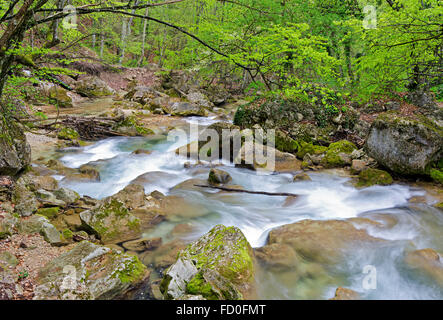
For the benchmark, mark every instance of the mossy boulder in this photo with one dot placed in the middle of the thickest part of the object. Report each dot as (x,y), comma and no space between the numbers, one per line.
(218,266)
(15,152)
(309,148)
(217,176)
(285,143)
(111,221)
(93,87)
(91,272)
(50,213)
(437,175)
(60,97)
(370,177)
(25,201)
(338,154)
(185,109)
(66,133)
(405,145)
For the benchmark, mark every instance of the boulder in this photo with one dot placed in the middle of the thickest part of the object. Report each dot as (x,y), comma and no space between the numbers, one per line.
(369,177)
(277,256)
(43,182)
(93,87)
(15,152)
(185,109)
(132,196)
(198,98)
(90,172)
(91,272)
(143,94)
(60,97)
(218,266)
(8,225)
(48,198)
(111,221)
(40,224)
(405,145)
(338,154)
(67,195)
(217,176)
(26,202)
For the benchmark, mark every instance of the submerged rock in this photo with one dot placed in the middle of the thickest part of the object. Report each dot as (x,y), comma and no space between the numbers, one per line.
(428,262)
(405,145)
(89,271)
(220,265)
(320,241)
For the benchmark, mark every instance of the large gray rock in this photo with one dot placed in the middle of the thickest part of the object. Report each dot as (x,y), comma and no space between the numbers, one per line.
(93,87)
(219,265)
(15,152)
(405,145)
(185,109)
(89,271)
(26,202)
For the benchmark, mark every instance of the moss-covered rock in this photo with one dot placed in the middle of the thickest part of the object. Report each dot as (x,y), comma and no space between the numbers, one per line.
(67,133)
(437,175)
(406,145)
(220,265)
(309,148)
(370,177)
(40,224)
(25,201)
(93,87)
(285,143)
(217,176)
(338,154)
(15,152)
(111,221)
(49,213)
(89,271)
(60,97)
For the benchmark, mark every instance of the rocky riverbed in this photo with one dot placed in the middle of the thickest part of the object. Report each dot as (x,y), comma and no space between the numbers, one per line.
(125,216)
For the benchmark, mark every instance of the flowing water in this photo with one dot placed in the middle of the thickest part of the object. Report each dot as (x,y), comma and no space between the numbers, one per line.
(327,196)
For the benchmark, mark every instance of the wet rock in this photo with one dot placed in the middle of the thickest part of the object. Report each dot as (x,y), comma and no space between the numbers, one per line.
(217,176)
(277,256)
(220,265)
(369,177)
(320,241)
(302,177)
(142,244)
(345,294)
(90,172)
(405,145)
(428,262)
(93,87)
(15,152)
(142,151)
(89,271)
(164,256)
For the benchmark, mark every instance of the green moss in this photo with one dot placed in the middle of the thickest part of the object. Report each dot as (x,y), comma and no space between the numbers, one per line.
(50,213)
(285,143)
(67,234)
(199,286)
(4,234)
(332,157)
(309,148)
(371,177)
(133,270)
(437,175)
(66,133)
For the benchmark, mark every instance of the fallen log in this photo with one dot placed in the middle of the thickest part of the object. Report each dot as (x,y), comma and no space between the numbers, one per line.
(277,194)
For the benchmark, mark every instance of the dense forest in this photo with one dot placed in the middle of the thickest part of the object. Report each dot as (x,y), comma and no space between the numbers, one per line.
(106,194)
